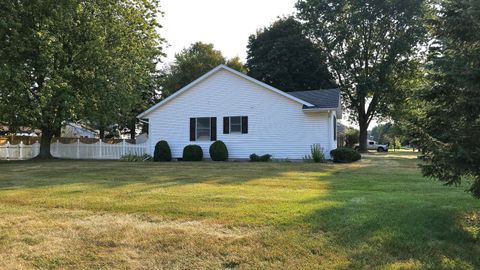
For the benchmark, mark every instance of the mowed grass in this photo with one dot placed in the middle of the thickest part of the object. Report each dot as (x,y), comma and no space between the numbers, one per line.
(378,213)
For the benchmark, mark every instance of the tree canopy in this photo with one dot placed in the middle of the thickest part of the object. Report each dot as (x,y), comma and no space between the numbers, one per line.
(191,63)
(75,60)
(282,56)
(447,123)
(370,48)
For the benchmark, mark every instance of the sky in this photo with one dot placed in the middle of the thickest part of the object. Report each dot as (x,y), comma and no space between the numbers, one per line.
(225,23)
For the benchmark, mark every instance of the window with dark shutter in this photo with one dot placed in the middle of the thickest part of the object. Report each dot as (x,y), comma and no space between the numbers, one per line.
(192,129)
(226,125)
(213,129)
(203,128)
(244,124)
(235,124)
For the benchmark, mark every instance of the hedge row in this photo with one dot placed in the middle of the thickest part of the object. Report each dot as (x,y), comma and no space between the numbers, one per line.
(218,152)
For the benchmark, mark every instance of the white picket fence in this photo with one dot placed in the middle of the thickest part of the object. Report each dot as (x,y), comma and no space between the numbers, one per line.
(77,150)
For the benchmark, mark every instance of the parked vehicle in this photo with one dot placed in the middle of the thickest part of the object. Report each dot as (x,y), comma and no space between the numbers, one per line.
(373,145)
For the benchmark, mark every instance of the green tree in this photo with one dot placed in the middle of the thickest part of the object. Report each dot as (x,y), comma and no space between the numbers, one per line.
(380,133)
(74,60)
(282,56)
(447,128)
(369,46)
(237,64)
(395,134)
(351,137)
(191,63)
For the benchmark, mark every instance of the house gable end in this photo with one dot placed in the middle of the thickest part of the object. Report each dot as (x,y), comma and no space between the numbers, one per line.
(209,75)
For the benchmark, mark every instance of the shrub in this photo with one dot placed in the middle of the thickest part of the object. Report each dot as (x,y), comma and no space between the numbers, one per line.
(192,152)
(345,155)
(162,152)
(351,137)
(257,158)
(316,154)
(218,151)
(135,158)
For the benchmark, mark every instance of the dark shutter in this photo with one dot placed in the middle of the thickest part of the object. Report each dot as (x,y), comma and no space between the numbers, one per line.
(244,124)
(226,125)
(192,129)
(213,128)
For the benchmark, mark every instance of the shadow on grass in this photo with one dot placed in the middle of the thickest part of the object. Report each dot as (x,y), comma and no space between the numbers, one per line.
(110,174)
(400,226)
(383,213)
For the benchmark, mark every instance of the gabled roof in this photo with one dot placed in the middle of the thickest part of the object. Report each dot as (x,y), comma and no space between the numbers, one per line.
(321,99)
(212,72)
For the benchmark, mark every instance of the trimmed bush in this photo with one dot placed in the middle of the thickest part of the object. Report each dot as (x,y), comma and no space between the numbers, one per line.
(218,151)
(345,155)
(162,152)
(192,152)
(257,158)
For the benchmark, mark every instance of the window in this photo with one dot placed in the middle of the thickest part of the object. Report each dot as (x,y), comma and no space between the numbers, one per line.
(203,129)
(371,143)
(235,124)
(334,128)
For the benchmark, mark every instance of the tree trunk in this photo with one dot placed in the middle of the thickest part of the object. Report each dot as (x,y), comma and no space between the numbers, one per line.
(58,132)
(363,125)
(132,129)
(363,137)
(45,141)
(101,133)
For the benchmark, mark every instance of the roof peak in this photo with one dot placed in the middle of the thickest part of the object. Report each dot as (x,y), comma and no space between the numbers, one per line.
(314,90)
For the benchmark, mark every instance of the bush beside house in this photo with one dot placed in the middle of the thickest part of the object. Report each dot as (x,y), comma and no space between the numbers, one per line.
(257,158)
(192,152)
(345,155)
(218,151)
(162,152)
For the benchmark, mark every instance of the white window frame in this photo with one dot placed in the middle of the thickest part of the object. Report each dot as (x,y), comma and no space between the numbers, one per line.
(209,129)
(230,124)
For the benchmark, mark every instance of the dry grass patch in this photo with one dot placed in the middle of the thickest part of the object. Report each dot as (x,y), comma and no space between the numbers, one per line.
(50,238)
(378,213)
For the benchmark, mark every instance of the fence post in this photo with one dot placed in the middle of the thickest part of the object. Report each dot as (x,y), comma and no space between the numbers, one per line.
(8,150)
(21,149)
(123,147)
(78,148)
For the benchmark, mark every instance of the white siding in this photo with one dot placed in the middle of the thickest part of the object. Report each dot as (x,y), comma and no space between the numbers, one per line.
(277,125)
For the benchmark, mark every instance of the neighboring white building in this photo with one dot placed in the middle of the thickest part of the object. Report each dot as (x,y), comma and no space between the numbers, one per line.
(247,115)
(74,130)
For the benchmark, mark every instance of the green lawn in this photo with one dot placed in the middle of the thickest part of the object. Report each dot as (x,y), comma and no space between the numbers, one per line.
(376,213)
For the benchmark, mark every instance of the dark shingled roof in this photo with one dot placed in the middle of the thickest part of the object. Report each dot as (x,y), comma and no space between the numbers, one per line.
(323,99)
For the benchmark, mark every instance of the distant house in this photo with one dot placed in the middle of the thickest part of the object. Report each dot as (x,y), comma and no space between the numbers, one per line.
(247,115)
(76,130)
(19,131)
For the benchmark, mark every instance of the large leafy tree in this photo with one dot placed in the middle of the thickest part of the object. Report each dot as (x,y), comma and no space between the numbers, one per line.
(74,60)
(282,56)
(447,127)
(370,46)
(191,63)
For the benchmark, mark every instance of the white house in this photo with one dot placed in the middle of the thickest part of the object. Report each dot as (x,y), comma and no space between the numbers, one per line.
(247,115)
(77,130)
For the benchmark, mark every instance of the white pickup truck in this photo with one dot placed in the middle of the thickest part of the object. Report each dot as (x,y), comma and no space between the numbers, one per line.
(373,145)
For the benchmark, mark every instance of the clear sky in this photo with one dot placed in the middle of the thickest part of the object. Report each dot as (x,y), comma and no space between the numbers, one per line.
(225,23)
